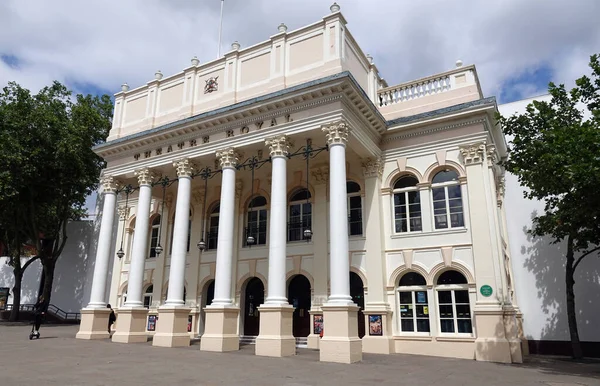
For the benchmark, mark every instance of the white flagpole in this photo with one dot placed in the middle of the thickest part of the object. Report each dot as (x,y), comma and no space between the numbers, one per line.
(220,28)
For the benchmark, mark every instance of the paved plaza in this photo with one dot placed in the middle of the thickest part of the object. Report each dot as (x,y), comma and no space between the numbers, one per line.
(59,359)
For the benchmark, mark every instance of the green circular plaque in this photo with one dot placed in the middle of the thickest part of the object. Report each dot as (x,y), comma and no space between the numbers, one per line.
(486,290)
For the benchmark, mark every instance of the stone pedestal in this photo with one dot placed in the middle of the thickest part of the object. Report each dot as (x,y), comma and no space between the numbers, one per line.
(340,342)
(220,331)
(491,344)
(171,328)
(131,326)
(275,338)
(511,328)
(313,338)
(94,324)
(378,344)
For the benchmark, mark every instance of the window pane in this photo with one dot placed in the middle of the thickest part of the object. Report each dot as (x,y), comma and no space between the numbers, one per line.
(414,197)
(444,297)
(300,195)
(461,296)
(457,220)
(463,311)
(406,297)
(407,325)
(454,191)
(401,226)
(423,325)
(446,311)
(352,187)
(413,278)
(447,325)
(439,194)
(406,182)
(465,326)
(421,296)
(416,224)
(441,222)
(422,311)
(452,277)
(445,176)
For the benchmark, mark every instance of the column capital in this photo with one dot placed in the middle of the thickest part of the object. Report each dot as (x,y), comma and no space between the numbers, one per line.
(279,146)
(109,184)
(145,176)
(336,133)
(491,155)
(184,167)
(228,158)
(473,154)
(372,167)
(123,212)
(320,174)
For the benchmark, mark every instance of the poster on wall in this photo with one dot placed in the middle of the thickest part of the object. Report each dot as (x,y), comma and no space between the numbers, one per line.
(3,297)
(318,324)
(152,322)
(189,323)
(375,325)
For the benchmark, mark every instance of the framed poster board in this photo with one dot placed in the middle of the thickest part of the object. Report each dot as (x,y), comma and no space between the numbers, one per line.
(3,297)
(152,322)
(318,324)
(375,325)
(189,323)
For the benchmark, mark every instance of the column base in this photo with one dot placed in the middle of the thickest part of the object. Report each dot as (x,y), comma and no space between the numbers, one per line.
(340,342)
(131,326)
(220,331)
(275,338)
(171,328)
(491,344)
(378,341)
(94,324)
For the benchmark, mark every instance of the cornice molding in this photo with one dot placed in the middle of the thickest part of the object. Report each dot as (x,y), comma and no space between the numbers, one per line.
(431,130)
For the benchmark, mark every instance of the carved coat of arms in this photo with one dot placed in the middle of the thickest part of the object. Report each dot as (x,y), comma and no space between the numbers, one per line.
(211,85)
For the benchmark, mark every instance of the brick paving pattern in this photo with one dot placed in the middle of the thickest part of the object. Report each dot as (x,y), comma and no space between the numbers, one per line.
(59,359)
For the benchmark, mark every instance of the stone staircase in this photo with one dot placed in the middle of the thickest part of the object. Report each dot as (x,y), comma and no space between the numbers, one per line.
(246,339)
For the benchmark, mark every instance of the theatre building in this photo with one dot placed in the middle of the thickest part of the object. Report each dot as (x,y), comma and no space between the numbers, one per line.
(285,195)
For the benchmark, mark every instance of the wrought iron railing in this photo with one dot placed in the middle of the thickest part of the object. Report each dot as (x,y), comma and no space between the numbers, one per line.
(52,310)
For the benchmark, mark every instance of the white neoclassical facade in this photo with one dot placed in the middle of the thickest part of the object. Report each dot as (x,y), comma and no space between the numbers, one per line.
(284,194)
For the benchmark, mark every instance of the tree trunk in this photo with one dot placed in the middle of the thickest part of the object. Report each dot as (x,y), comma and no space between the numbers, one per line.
(16,291)
(49,266)
(571,315)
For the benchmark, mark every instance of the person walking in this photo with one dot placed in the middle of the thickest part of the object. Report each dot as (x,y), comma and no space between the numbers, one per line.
(39,311)
(111,318)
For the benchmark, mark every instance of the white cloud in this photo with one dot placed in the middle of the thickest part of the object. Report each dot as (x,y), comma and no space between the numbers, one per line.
(108,42)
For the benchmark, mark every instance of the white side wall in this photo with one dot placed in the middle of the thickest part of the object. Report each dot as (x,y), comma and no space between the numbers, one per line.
(539,272)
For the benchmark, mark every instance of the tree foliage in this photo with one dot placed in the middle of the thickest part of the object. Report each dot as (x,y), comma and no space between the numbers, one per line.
(555,153)
(47,167)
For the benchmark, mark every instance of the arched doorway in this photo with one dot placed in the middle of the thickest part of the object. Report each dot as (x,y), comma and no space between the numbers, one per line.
(299,296)
(357,291)
(254,297)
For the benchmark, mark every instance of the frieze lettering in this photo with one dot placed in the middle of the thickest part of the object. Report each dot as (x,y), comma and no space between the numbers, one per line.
(205,139)
(259,125)
(169,149)
(159,151)
(229,133)
(192,142)
(147,154)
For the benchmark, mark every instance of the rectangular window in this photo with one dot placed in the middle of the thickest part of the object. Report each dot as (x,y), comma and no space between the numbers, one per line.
(414,311)
(299,220)
(213,232)
(455,312)
(407,212)
(448,207)
(355,215)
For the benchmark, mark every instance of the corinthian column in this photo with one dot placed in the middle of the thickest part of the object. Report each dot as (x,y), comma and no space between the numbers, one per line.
(131,327)
(275,337)
(94,318)
(340,341)
(220,333)
(171,330)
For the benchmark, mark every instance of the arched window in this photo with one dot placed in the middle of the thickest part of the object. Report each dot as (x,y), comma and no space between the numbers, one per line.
(123,297)
(407,205)
(256,222)
(355,225)
(300,215)
(454,305)
(447,200)
(213,227)
(148,296)
(154,230)
(189,238)
(414,304)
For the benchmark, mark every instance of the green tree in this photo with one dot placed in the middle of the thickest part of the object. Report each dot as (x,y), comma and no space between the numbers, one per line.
(555,153)
(47,168)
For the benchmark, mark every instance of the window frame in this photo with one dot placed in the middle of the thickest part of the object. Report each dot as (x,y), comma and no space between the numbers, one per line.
(148,295)
(412,290)
(453,288)
(214,213)
(445,185)
(405,192)
(256,235)
(348,207)
(154,227)
(302,203)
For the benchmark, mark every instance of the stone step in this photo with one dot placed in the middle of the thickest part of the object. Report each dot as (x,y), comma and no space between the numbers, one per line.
(301,342)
